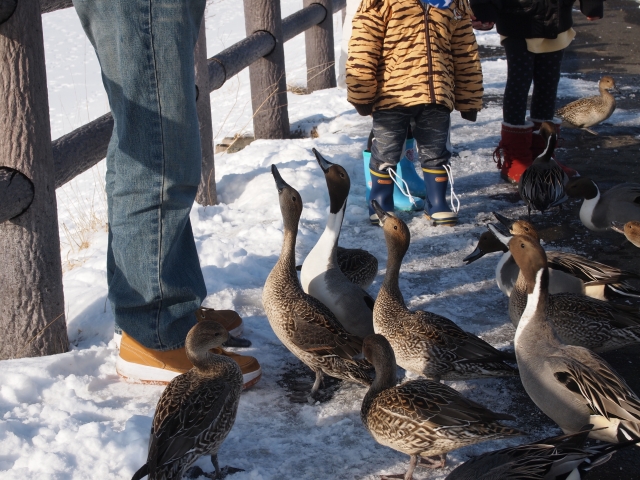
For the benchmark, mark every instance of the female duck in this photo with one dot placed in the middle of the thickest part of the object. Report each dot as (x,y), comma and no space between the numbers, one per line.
(618,204)
(197,409)
(631,230)
(302,323)
(321,276)
(589,111)
(426,343)
(571,385)
(422,418)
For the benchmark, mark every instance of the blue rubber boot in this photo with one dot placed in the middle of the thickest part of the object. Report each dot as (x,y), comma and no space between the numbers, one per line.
(379,188)
(407,171)
(436,207)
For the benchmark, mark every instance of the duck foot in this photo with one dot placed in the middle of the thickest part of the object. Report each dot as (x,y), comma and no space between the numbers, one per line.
(237,342)
(437,461)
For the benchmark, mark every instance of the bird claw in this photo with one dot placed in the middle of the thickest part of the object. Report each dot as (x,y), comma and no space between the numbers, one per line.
(437,461)
(197,472)
(228,470)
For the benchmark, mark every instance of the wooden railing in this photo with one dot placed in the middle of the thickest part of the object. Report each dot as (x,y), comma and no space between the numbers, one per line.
(32,167)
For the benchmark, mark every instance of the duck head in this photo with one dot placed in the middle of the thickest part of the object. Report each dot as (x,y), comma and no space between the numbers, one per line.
(548,132)
(608,83)
(396,232)
(338,182)
(581,187)
(529,256)
(488,243)
(202,337)
(631,230)
(290,201)
(518,227)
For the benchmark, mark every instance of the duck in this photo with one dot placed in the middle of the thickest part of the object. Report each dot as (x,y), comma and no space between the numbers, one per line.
(541,185)
(572,273)
(631,230)
(321,276)
(422,418)
(425,343)
(572,385)
(562,456)
(589,111)
(618,204)
(580,320)
(303,323)
(196,410)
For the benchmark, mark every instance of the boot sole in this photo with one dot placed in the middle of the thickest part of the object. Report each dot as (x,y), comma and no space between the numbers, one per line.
(146,375)
(442,222)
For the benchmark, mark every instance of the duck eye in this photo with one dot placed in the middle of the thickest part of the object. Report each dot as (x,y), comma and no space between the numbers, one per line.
(341,175)
(293,198)
(526,229)
(395,227)
(522,245)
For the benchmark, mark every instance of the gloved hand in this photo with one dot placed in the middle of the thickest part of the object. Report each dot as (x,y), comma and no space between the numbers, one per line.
(470,115)
(363,109)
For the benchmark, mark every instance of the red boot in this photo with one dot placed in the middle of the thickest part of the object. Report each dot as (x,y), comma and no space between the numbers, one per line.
(513,154)
(538,144)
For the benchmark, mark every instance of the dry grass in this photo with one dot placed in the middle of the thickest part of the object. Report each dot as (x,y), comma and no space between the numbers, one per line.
(297,90)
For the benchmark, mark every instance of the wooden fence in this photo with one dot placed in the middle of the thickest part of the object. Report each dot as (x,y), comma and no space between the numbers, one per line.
(32,167)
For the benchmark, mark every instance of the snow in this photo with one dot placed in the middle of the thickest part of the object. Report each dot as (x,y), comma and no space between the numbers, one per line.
(69,416)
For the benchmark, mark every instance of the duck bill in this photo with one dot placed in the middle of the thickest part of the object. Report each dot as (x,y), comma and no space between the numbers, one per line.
(473,256)
(617,227)
(280,183)
(507,222)
(323,162)
(499,235)
(382,215)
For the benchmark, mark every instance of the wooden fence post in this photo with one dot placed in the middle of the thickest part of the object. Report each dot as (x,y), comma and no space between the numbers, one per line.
(207,188)
(32,317)
(267,75)
(321,70)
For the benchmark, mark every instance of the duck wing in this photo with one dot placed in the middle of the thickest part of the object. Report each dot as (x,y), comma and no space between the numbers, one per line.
(184,413)
(625,192)
(444,335)
(586,309)
(595,383)
(315,329)
(589,271)
(575,111)
(541,186)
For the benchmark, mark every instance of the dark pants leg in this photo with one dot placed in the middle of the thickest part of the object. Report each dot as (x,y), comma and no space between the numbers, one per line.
(546,76)
(520,65)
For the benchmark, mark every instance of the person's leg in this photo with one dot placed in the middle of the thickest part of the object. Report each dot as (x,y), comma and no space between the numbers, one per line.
(389,134)
(546,76)
(145,49)
(431,133)
(520,63)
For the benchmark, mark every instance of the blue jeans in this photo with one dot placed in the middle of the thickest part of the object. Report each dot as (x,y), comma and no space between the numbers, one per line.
(431,132)
(145,49)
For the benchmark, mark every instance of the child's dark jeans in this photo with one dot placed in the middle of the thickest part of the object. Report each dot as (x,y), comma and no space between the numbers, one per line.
(431,132)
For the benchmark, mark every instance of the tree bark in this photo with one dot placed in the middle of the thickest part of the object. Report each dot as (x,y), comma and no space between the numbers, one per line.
(207,188)
(16,193)
(267,75)
(32,316)
(321,70)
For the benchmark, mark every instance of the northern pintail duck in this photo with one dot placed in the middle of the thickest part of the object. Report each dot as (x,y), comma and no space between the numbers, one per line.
(618,204)
(302,323)
(578,319)
(541,185)
(589,111)
(631,230)
(563,456)
(572,273)
(426,343)
(321,276)
(197,409)
(570,384)
(422,418)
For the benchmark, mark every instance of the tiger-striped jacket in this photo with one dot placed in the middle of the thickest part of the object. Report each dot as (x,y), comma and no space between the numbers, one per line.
(402,53)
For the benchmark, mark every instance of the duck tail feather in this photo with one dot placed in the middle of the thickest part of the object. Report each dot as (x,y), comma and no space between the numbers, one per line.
(141,473)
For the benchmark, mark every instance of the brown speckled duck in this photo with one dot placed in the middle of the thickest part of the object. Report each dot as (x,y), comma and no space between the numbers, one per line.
(302,323)
(589,111)
(197,409)
(422,418)
(631,230)
(426,343)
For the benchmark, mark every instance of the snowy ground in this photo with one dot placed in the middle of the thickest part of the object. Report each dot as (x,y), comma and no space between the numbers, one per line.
(70,416)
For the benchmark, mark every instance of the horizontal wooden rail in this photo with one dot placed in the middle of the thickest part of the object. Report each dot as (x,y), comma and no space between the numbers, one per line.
(84,147)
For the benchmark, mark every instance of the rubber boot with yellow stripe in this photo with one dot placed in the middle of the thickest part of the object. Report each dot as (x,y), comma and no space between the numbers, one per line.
(436,208)
(379,188)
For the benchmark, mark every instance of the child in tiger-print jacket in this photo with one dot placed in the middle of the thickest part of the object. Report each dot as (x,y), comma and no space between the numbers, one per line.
(413,60)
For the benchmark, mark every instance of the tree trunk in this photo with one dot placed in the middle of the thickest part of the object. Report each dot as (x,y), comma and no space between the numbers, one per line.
(321,69)
(267,75)
(207,188)
(32,316)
